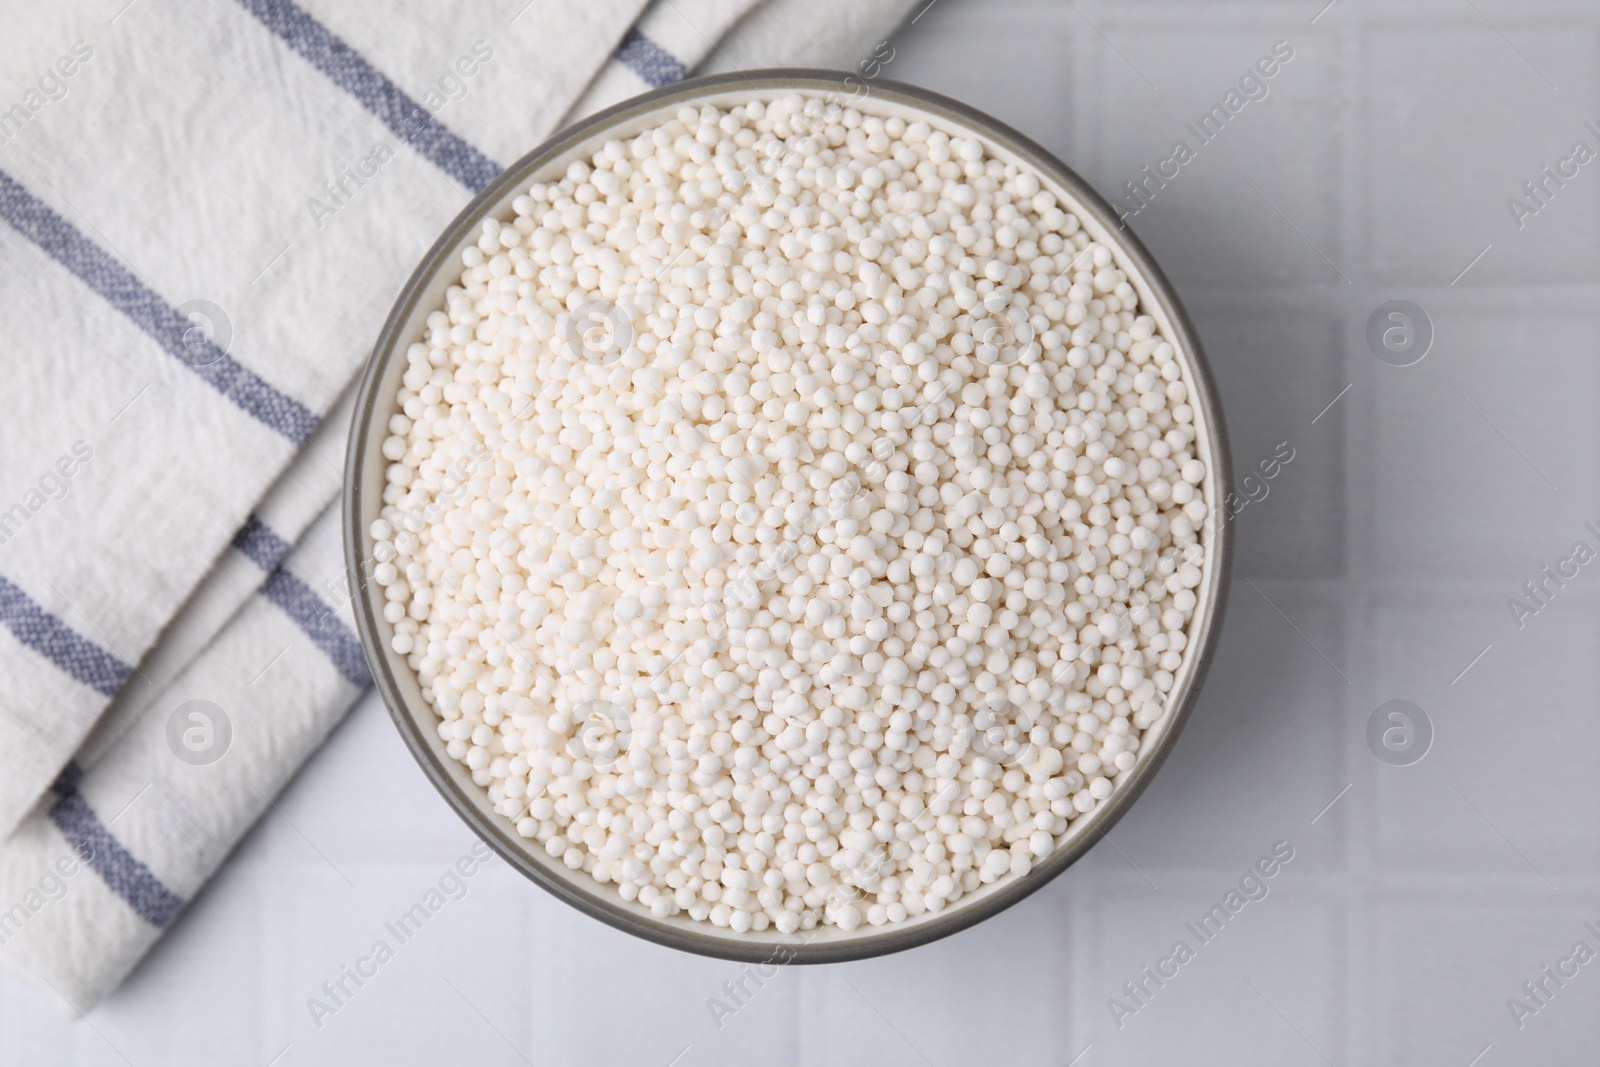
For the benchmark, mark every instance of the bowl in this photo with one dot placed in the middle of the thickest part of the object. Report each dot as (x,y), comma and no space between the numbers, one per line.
(365,479)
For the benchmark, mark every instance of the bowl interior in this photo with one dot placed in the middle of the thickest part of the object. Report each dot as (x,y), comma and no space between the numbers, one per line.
(425,292)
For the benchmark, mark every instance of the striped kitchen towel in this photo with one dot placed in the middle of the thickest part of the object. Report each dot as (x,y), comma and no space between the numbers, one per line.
(208,207)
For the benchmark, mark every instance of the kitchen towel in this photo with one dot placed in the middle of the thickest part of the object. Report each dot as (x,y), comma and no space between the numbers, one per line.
(208,207)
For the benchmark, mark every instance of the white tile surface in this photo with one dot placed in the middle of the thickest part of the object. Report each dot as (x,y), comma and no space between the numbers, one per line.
(1381,562)
(1461,121)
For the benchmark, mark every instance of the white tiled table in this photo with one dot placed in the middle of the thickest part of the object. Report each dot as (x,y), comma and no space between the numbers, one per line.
(1378,567)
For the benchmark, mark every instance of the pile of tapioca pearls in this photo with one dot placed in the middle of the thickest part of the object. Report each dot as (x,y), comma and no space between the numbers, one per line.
(840,568)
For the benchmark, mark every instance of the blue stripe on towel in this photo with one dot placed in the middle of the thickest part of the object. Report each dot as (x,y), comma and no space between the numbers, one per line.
(319,623)
(129,878)
(349,70)
(264,547)
(169,327)
(261,544)
(59,643)
(650,61)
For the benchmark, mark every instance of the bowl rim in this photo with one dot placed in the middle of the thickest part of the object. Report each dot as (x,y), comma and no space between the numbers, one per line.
(598,901)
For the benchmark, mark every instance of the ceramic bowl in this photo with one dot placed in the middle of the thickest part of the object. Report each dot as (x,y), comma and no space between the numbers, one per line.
(365,479)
